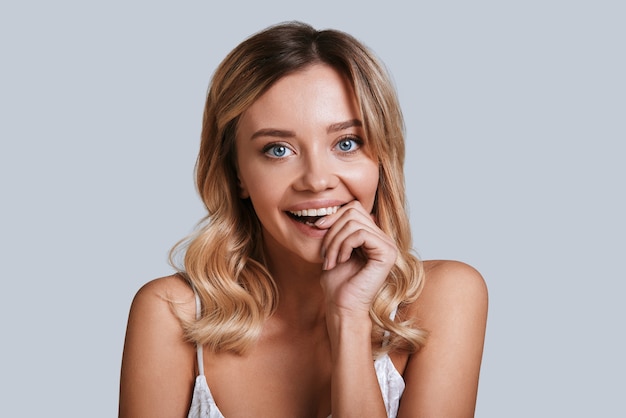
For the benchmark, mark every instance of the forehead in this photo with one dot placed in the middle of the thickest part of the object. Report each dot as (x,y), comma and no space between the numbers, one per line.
(317,94)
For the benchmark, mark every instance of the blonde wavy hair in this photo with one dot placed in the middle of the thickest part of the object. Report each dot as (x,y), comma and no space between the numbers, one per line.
(223,258)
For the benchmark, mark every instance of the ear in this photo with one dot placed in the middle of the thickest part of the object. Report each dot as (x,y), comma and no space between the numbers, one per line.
(243,192)
(241,186)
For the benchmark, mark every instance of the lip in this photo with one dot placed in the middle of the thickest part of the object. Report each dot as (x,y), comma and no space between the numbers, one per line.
(315,204)
(309,230)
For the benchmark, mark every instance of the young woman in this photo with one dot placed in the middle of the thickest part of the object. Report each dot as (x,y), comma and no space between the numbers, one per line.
(299,295)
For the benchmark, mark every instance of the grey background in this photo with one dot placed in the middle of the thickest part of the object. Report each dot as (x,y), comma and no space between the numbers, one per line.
(515,117)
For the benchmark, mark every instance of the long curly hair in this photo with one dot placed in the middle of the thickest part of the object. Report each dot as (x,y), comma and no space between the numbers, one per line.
(223,258)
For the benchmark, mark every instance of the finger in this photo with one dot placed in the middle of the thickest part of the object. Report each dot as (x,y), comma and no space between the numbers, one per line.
(329,220)
(353,212)
(349,221)
(351,235)
(335,222)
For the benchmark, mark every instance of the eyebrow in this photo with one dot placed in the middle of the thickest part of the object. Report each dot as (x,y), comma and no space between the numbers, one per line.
(336,127)
(280,133)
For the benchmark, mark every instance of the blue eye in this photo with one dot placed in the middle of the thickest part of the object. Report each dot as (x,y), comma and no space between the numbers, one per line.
(276,151)
(348,144)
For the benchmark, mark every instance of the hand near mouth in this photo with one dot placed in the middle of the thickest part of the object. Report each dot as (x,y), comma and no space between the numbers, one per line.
(357,256)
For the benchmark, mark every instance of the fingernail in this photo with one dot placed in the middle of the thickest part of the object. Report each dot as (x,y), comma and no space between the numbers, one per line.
(320,221)
(325,265)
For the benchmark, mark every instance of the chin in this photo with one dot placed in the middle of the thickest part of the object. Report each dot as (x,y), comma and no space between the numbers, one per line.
(308,255)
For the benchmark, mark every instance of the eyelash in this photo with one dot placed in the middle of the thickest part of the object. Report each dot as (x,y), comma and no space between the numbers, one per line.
(358,143)
(266,150)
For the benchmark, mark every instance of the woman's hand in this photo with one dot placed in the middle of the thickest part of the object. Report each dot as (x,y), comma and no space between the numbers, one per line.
(357,259)
(358,256)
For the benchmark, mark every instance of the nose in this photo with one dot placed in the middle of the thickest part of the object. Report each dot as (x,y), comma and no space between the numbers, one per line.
(317,173)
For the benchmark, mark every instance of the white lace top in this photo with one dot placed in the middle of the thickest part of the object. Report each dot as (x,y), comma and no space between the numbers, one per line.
(390,381)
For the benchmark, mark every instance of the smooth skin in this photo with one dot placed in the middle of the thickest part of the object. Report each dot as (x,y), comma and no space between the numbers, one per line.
(300,146)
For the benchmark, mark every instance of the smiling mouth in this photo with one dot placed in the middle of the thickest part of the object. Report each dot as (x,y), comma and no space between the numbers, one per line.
(310,216)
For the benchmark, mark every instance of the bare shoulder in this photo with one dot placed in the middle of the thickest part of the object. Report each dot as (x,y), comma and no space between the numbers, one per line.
(160,295)
(448,279)
(158,363)
(453,270)
(154,322)
(442,377)
(454,295)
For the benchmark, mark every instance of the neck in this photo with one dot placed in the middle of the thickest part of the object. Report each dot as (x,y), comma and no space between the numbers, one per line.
(300,299)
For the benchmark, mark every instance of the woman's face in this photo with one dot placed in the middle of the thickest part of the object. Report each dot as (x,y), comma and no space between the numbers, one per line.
(301,152)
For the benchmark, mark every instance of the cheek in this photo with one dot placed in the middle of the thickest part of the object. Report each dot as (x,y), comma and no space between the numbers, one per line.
(262,188)
(256,185)
(372,189)
(249,175)
(365,184)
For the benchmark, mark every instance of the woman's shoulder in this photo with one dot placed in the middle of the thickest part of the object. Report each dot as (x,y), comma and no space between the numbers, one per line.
(158,364)
(442,377)
(166,291)
(447,284)
(160,305)
(451,276)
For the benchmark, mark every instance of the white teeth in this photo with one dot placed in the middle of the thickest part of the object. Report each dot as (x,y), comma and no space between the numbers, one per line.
(315,212)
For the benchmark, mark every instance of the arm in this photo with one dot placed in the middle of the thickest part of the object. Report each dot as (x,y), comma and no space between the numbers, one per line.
(442,378)
(351,281)
(354,386)
(157,365)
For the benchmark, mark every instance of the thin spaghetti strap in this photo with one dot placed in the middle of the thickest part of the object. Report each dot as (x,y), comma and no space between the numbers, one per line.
(199,346)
